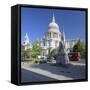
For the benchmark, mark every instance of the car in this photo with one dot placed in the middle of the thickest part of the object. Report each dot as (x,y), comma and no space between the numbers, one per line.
(42,57)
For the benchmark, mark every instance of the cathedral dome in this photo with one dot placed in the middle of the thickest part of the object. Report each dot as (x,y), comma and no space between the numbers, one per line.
(53,26)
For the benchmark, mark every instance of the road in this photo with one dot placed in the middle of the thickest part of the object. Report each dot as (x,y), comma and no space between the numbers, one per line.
(52,72)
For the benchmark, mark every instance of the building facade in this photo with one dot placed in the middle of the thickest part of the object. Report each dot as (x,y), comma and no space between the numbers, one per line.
(70,44)
(26,42)
(52,38)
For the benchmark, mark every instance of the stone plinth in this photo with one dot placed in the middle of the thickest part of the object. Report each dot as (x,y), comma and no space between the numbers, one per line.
(62,59)
(62,56)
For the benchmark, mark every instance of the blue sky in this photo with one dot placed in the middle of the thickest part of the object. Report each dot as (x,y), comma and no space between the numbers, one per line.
(35,22)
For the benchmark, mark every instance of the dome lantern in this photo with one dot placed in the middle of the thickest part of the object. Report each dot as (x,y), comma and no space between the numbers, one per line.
(53,19)
(53,26)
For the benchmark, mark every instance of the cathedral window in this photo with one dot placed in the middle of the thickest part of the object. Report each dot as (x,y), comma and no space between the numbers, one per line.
(55,35)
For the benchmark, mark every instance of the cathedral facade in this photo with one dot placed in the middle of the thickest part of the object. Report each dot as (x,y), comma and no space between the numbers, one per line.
(26,43)
(51,39)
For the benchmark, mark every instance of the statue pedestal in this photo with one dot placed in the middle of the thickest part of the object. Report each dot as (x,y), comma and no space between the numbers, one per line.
(62,59)
(62,56)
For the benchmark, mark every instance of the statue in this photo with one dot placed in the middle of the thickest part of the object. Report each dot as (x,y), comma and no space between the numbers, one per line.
(62,56)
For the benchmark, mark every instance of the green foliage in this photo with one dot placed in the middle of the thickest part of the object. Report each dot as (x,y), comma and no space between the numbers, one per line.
(25,55)
(79,47)
(22,52)
(31,54)
(36,49)
(28,53)
(53,54)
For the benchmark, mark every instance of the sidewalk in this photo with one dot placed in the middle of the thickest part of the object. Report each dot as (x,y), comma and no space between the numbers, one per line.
(72,71)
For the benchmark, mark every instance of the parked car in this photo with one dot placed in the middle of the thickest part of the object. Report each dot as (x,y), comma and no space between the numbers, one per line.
(42,57)
(74,56)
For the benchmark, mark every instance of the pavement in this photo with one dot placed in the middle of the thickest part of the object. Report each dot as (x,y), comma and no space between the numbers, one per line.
(52,72)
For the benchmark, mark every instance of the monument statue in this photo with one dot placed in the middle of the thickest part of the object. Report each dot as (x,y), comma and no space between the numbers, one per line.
(62,56)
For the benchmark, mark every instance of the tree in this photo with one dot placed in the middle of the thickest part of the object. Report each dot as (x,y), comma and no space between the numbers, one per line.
(53,53)
(28,53)
(79,47)
(22,52)
(36,49)
(25,54)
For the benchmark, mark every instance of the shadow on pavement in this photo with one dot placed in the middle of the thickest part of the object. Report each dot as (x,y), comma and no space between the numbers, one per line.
(72,71)
(29,76)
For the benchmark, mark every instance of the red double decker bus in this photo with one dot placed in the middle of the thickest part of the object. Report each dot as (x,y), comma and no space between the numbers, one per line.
(74,56)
